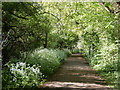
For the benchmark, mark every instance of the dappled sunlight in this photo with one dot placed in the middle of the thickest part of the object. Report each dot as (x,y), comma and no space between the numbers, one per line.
(77,67)
(76,73)
(89,76)
(60,44)
(55,84)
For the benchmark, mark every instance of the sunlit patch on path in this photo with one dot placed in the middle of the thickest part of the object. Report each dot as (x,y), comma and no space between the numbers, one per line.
(76,73)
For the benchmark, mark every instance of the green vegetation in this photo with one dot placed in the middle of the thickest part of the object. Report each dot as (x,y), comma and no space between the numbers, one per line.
(49,60)
(99,42)
(42,35)
(22,75)
(38,65)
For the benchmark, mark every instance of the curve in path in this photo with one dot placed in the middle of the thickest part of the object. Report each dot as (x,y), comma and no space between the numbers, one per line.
(76,74)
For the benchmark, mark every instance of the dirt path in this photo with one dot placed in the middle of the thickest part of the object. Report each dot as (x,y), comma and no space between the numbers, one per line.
(76,74)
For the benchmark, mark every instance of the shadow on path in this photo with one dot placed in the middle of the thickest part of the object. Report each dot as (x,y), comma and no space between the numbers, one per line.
(76,74)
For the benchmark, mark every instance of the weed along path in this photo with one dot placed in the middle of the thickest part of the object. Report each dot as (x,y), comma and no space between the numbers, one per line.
(76,74)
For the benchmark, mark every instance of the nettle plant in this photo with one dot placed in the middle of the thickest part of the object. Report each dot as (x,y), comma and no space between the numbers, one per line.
(24,75)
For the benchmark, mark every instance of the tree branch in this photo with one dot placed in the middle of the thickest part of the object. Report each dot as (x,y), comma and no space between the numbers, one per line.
(50,14)
(107,8)
(17,15)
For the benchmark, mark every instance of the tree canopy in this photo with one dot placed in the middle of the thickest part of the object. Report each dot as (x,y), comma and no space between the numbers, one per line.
(91,27)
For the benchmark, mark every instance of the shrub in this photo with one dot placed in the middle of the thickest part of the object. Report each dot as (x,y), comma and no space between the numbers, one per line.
(75,51)
(48,59)
(104,58)
(38,65)
(67,52)
(60,55)
(21,75)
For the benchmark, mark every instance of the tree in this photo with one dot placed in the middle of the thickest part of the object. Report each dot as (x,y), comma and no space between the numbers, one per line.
(23,28)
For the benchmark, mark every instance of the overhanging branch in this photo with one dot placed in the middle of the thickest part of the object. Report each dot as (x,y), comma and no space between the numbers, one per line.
(107,8)
(17,15)
(50,14)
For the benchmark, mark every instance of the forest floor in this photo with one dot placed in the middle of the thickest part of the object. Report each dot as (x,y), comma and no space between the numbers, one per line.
(76,74)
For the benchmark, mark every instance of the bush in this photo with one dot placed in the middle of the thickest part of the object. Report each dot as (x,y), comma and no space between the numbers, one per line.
(47,59)
(67,52)
(38,65)
(61,55)
(75,51)
(104,58)
(21,75)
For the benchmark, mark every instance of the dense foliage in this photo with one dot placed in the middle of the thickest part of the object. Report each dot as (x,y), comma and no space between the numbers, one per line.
(22,75)
(90,27)
(22,28)
(49,60)
(100,41)
(38,66)
(28,26)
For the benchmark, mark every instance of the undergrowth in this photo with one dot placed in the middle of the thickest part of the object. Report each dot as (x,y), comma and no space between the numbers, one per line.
(33,70)
(105,61)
